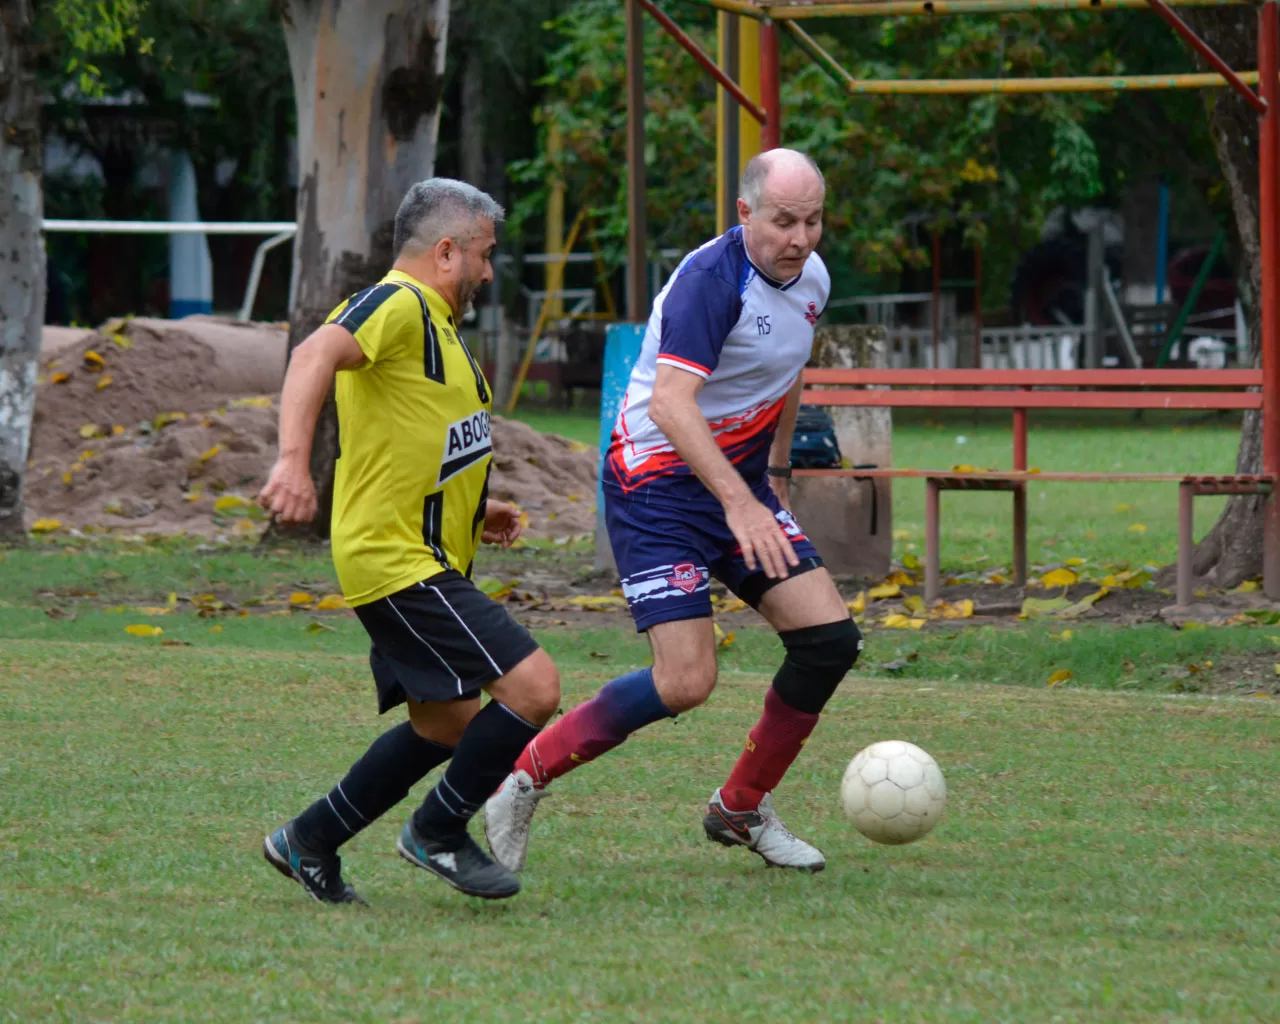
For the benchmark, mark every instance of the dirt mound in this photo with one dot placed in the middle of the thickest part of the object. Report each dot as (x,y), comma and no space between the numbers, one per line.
(170,426)
(131,371)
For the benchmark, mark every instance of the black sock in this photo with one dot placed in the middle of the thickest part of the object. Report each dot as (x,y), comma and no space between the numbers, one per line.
(483,758)
(395,762)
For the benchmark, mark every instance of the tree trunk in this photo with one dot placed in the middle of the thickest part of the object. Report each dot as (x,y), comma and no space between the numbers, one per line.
(368,80)
(1232,549)
(471,125)
(22,260)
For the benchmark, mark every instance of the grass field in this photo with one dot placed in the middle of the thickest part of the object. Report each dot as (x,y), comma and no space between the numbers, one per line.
(1106,856)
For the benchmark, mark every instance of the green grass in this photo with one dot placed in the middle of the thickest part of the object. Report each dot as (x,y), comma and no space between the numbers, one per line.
(1104,856)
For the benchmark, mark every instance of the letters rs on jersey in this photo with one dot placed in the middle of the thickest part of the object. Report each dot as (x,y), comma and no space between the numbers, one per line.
(747,335)
(414,447)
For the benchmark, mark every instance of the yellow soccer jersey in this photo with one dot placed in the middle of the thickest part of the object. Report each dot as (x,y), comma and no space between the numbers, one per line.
(413,441)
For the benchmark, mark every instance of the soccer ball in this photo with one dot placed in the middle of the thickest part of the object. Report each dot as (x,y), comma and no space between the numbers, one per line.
(893,792)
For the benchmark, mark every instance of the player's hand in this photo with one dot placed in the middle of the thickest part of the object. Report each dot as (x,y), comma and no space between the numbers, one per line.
(782,488)
(290,494)
(501,523)
(760,535)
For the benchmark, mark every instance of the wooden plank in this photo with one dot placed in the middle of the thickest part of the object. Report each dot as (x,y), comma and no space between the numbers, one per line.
(998,476)
(1037,399)
(1038,378)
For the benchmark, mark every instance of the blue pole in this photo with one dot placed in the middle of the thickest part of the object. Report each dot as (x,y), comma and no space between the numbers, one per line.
(1162,244)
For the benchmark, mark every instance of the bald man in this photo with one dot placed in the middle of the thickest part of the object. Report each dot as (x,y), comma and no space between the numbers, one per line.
(696,485)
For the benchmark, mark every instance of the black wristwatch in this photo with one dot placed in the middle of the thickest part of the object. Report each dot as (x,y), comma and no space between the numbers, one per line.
(780,471)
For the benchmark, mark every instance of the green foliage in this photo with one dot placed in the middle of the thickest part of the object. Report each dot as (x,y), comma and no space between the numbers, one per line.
(899,167)
(90,29)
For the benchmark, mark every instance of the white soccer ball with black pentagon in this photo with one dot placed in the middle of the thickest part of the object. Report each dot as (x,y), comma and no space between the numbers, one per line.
(893,792)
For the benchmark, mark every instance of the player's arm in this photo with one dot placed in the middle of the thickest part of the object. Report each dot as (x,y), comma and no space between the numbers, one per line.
(674,410)
(780,452)
(290,494)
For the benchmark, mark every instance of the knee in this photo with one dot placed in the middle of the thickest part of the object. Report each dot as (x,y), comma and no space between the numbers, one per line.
(442,723)
(683,687)
(818,658)
(531,689)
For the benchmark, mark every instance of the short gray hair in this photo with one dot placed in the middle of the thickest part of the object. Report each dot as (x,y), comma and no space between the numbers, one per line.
(441,208)
(757,171)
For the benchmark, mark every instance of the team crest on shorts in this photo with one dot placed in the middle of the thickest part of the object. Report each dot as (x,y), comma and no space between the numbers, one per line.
(686,576)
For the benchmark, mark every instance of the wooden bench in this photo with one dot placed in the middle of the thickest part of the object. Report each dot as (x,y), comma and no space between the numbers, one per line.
(1022,390)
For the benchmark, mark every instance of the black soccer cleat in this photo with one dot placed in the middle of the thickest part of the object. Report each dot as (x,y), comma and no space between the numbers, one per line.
(321,877)
(459,861)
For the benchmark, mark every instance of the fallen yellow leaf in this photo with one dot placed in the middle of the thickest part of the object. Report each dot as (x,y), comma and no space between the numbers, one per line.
(1060,677)
(859,604)
(1137,527)
(330,602)
(1121,508)
(1066,635)
(209,453)
(117,430)
(257,401)
(46,525)
(902,579)
(601,603)
(229,503)
(884,590)
(959,610)
(90,431)
(244,528)
(996,577)
(1248,586)
(1074,561)
(93,360)
(1058,578)
(723,639)
(733,604)
(165,418)
(300,599)
(578,446)
(911,562)
(151,610)
(215,629)
(902,622)
(964,467)
(901,534)
(105,382)
(914,604)
(143,630)
(60,378)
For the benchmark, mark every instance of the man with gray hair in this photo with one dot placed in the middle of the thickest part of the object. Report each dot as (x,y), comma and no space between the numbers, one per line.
(696,485)
(410,509)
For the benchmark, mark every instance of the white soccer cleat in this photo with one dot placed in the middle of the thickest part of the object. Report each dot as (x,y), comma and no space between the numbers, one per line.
(507,816)
(762,832)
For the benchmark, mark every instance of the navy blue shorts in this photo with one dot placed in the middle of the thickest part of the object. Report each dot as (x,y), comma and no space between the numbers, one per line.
(666,555)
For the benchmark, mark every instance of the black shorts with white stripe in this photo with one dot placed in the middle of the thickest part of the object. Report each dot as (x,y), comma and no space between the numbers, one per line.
(440,640)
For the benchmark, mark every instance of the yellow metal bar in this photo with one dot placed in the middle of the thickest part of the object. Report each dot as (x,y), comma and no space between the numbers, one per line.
(553,279)
(543,316)
(788,12)
(749,83)
(968,86)
(724,24)
(750,10)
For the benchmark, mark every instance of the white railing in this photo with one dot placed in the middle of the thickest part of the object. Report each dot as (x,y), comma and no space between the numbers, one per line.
(280,232)
(1003,348)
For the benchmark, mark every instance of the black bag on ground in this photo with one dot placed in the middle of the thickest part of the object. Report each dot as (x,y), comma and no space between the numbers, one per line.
(814,444)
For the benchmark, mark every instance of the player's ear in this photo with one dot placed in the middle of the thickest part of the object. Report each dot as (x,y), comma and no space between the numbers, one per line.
(744,211)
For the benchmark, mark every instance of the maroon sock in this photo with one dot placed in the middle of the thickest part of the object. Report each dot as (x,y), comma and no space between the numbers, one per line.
(771,747)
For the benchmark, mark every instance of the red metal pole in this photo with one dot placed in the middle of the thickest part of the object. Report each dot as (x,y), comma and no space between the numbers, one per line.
(1020,498)
(932,537)
(708,65)
(935,307)
(770,86)
(977,307)
(1186,540)
(1206,51)
(1269,215)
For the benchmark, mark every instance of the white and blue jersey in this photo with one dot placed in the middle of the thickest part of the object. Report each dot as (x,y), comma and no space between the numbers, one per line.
(747,335)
